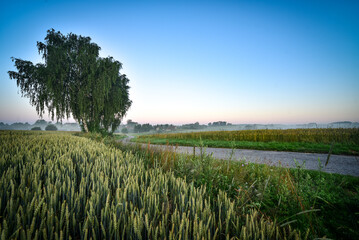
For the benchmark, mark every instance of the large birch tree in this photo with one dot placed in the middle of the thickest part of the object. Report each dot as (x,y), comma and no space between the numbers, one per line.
(74,80)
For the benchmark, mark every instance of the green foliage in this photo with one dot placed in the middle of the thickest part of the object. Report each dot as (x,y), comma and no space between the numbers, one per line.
(51,127)
(36,129)
(74,80)
(143,128)
(40,122)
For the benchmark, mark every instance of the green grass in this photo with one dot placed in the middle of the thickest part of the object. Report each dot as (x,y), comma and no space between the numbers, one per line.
(325,204)
(338,148)
(119,136)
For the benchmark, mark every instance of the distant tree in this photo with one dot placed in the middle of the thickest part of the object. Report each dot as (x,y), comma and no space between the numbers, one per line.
(164,127)
(20,126)
(124,130)
(51,127)
(219,123)
(147,127)
(131,123)
(36,129)
(195,125)
(40,122)
(4,126)
(137,128)
(74,80)
(143,128)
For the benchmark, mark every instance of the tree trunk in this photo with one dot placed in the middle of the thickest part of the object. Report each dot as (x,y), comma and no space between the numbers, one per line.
(85,126)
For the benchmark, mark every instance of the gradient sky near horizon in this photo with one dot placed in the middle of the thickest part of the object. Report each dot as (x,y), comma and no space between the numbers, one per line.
(187,61)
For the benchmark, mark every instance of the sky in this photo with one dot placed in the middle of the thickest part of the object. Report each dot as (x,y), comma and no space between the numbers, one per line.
(237,61)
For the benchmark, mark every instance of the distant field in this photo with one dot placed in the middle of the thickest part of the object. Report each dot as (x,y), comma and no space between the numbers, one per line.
(344,141)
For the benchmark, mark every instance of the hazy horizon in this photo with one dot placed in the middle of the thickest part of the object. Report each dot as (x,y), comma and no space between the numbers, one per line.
(243,62)
(180,123)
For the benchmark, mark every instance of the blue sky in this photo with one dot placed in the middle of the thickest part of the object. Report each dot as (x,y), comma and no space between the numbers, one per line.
(187,61)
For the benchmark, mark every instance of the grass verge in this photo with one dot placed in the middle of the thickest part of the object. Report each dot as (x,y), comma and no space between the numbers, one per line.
(338,148)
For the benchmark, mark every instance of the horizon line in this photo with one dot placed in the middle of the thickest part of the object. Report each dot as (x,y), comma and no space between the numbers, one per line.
(179,124)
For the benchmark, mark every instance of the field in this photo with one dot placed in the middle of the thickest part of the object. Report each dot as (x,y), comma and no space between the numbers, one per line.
(58,186)
(62,186)
(325,204)
(341,141)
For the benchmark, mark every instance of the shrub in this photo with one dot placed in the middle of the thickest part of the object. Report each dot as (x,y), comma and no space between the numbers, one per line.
(36,129)
(51,127)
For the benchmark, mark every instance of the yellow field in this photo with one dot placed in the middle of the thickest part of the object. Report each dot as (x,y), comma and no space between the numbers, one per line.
(328,135)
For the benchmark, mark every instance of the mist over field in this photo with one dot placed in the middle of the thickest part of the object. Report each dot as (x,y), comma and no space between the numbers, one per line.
(135,127)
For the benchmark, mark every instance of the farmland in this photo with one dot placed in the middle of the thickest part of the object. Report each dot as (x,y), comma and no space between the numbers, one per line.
(324,204)
(59,186)
(342,141)
(62,186)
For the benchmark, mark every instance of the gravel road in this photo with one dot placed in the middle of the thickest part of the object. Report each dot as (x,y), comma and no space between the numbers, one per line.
(346,165)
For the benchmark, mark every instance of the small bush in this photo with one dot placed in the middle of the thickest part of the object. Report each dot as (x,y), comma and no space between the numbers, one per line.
(51,127)
(36,129)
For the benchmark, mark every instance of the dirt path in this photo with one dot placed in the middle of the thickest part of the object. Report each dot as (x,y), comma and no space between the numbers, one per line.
(346,165)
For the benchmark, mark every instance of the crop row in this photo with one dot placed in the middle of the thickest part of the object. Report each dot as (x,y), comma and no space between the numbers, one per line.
(328,135)
(58,186)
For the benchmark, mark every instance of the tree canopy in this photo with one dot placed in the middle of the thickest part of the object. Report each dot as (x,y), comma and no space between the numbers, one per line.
(73,79)
(51,127)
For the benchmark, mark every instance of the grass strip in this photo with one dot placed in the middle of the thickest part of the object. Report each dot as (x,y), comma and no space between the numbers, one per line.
(338,148)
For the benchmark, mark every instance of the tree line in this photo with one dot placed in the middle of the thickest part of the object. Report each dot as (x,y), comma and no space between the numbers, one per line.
(135,127)
(40,124)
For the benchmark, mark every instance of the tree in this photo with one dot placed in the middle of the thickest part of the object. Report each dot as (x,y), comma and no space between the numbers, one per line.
(51,127)
(74,80)
(40,122)
(131,123)
(137,128)
(36,129)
